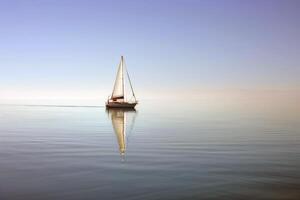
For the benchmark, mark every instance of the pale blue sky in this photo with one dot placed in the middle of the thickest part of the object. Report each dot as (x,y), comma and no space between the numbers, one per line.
(60,45)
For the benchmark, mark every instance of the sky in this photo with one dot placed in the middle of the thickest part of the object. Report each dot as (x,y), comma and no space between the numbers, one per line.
(70,49)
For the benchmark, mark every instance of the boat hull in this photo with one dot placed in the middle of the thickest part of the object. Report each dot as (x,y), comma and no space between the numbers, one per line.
(120,105)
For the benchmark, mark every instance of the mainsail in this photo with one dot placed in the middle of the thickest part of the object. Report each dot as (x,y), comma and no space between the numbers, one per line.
(118,91)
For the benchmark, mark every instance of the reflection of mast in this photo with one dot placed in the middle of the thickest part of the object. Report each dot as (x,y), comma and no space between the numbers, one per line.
(118,118)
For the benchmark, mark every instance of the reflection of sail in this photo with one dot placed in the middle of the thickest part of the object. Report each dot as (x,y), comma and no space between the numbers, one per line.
(119,120)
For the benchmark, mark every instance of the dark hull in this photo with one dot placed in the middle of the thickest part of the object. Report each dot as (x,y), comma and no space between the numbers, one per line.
(120,105)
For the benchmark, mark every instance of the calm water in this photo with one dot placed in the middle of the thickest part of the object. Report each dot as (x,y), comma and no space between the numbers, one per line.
(166,152)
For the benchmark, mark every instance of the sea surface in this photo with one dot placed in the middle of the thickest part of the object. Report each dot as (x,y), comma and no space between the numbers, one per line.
(188,150)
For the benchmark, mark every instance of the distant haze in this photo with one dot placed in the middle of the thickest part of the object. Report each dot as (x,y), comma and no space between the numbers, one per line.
(67,51)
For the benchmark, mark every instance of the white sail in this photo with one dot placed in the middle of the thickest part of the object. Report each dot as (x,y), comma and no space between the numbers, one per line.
(122,96)
(118,91)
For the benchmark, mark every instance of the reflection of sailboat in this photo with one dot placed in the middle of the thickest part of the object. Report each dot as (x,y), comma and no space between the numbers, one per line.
(119,97)
(120,118)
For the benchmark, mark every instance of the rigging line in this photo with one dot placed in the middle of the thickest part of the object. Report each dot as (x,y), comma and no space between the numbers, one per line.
(130,83)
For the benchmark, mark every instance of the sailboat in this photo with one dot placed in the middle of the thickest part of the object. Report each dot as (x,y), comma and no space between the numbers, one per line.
(119,98)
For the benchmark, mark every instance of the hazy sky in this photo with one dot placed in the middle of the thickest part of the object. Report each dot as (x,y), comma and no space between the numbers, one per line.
(72,47)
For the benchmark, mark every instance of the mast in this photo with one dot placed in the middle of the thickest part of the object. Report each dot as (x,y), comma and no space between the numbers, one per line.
(123,81)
